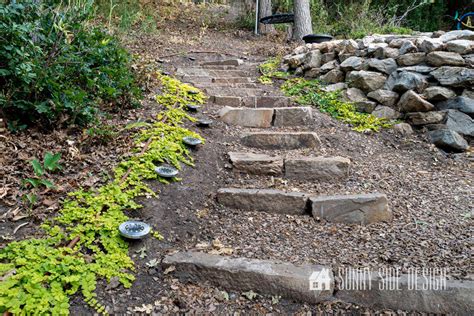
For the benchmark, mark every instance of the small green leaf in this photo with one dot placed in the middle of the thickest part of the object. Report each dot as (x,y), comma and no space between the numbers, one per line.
(37,168)
(34,182)
(51,161)
(47,183)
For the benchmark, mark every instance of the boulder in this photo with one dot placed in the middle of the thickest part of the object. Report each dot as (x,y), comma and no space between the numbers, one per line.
(460,46)
(403,128)
(422,69)
(444,59)
(397,42)
(246,117)
(412,102)
(374,46)
(329,66)
(334,87)
(296,60)
(312,73)
(424,118)
(292,116)
(317,168)
(467,93)
(386,66)
(428,45)
(469,59)
(437,93)
(327,57)
(333,76)
(463,104)
(348,46)
(365,106)
(406,80)
(343,57)
(352,209)
(386,112)
(460,123)
(408,47)
(454,76)
(456,35)
(386,52)
(366,80)
(256,163)
(448,140)
(353,63)
(354,95)
(384,97)
(312,59)
(411,59)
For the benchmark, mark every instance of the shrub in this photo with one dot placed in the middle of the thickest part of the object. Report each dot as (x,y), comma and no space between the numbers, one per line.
(55,68)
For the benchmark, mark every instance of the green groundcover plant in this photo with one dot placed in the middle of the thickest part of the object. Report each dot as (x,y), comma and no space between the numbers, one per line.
(56,68)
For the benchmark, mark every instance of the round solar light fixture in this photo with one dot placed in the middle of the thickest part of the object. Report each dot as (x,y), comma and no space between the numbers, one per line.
(192,107)
(193,92)
(166,171)
(204,122)
(191,141)
(134,229)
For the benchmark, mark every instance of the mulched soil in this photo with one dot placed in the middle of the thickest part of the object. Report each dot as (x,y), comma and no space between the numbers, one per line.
(429,193)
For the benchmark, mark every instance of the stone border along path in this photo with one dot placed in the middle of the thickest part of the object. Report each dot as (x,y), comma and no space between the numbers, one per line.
(230,83)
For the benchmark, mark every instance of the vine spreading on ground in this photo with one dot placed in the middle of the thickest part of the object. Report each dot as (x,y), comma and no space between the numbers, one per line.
(38,276)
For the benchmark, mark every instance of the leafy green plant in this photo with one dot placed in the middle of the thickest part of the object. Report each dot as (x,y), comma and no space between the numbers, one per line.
(50,164)
(269,71)
(82,244)
(310,92)
(57,68)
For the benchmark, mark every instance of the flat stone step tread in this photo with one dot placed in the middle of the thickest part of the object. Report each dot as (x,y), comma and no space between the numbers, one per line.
(239,92)
(224,62)
(359,209)
(213,73)
(227,85)
(299,168)
(252,101)
(264,117)
(267,277)
(281,140)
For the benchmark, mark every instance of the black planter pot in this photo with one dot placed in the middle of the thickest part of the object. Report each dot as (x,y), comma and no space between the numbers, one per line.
(317,38)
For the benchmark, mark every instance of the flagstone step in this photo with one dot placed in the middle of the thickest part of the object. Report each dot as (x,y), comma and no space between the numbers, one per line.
(224,62)
(226,85)
(281,140)
(232,80)
(266,277)
(239,92)
(264,117)
(214,72)
(260,164)
(251,101)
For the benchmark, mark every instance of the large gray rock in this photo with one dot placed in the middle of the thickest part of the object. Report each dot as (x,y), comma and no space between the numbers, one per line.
(333,76)
(256,163)
(437,93)
(454,76)
(412,102)
(460,46)
(428,45)
(281,140)
(334,87)
(317,168)
(424,118)
(366,80)
(327,57)
(384,97)
(405,80)
(263,276)
(467,93)
(353,63)
(352,209)
(411,59)
(408,47)
(329,66)
(293,116)
(386,66)
(412,292)
(403,128)
(469,60)
(296,60)
(460,122)
(422,69)
(354,95)
(264,200)
(448,140)
(458,34)
(386,52)
(463,104)
(386,112)
(312,59)
(348,46)
(444,59)
(246,117)
(365,106)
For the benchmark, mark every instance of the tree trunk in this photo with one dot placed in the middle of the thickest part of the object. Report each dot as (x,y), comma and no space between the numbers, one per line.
(265,9)
(302,19)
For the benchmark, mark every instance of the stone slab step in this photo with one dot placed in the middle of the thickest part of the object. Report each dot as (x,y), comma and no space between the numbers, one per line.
(352,209)
(281,140)
(196,79)
(239,92)
(263,117)
(226,85)
(317,168)
(232,80)
(293,116)
(251,101)
(272,102)
(264,200)
(225,62)
(266,277)
(256,163)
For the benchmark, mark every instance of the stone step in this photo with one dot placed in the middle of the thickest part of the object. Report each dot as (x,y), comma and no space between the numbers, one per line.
(196,79)
(217,73)
(251,101)
(281,140)
(264,200)
(264,117)
(238,92)
(225,62)
(362,209)
(267,277)
(352,209)
(300,168)
(232,80)
(226,85)
(256,163)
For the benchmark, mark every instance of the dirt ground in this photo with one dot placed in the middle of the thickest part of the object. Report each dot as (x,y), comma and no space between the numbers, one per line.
(429,192)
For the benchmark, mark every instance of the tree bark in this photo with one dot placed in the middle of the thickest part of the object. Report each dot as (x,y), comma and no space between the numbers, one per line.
(303,24)
(265,9)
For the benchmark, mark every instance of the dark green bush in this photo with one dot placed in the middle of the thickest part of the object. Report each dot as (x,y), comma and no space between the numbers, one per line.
(56,69)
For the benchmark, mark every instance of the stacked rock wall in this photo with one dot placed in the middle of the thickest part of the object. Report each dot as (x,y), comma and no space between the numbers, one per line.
(426,79)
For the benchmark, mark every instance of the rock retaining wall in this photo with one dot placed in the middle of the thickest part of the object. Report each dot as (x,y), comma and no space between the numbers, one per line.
(425,79)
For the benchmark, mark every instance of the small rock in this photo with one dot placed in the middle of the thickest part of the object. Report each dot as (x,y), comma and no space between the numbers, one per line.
(444,59)
(386,66)
(422,69)
(397,42)
(334,87)
(348,46)
(463,104)
(312,73)
(354,95)
(296,60)
(424,118)
(412,102)
(386,112)
(437,93)
(384,97)
(408,47)
(406,80)
(365,106)
(403,128)
(334,76)
(428,45)
(460,46)
(411,59)
(343,57)
(386,52)
(327,57)
(366,80)
(468,94)
(329,66)
(448,140)
(374,46)
(469,59)
(353,63)
(460,123)
(312,59)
